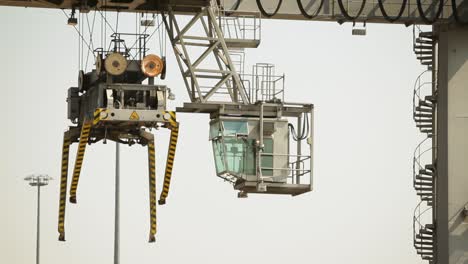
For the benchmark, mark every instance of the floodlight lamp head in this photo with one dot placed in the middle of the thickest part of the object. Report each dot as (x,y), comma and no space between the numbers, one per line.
(38,179)
(72,20)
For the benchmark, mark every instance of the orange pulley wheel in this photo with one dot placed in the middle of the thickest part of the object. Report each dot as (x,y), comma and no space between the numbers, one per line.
(152,65)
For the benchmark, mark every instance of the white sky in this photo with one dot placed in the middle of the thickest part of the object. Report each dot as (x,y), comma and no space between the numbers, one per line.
(360,211)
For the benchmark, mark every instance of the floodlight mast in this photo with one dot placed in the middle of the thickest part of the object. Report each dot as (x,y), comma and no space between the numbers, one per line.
(38,180)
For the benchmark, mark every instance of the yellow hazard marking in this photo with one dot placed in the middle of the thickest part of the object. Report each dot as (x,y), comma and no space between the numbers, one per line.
(134,116)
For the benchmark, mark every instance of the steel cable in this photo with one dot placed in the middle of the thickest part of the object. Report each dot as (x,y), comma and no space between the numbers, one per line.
(424,17)
(264,12)
(304,12)
(389,18)
(456,15)
(346,14)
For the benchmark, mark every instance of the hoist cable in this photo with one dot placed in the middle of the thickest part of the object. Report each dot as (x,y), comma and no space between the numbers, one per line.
(304,12)
(346,14)
(151,35)
(264,12)
(236,5)
(436,16)
(389,18)
(456,15)
(91,33)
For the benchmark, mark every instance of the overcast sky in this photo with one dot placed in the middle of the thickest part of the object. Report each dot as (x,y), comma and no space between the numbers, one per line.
(360,211)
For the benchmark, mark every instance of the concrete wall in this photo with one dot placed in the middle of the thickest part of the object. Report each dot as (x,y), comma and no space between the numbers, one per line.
(452,138)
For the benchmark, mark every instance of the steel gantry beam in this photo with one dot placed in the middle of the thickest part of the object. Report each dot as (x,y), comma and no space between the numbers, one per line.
(376,11)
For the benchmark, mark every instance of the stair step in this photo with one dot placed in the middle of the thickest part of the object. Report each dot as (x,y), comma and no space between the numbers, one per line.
(424,41)
(422,178)
(422,115)
(423,52)
(426,62)
(426,103)
(426,243)
(427,255)
(426,172)
(424,109)
(430,98)
(423,125)
(425,238)
(425,194)
(425,231)
(427,199)
(422,47)
(425,58)
(420,183)
(424,248)
(428,131)
(430,167)
(427,34)
(423,120)
(418,188)
(430,226)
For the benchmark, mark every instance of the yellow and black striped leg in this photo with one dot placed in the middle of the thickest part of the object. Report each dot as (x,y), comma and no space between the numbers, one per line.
(169,163)
(63,187)
(152,188)
(84,136)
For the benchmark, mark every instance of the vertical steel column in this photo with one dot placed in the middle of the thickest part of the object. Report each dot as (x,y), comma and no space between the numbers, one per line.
(38,220)
(298,142)
(260,184)
(117,205)
(311,147)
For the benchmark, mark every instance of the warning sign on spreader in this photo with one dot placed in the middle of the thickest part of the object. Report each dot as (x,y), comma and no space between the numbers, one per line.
(134,116)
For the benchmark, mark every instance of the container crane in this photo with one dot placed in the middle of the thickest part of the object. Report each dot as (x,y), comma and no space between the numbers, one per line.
(250,125)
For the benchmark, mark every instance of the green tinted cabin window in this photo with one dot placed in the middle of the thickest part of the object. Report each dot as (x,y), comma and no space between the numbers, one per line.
(219,155)
(267,161)
(233,128)
(234,155)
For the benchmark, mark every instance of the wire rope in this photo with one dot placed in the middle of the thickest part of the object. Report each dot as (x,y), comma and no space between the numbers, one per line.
(456,15)
(304,12)
(346,14)
(91,33)
(264,12)
(236,5)
(385,14)
(436,16)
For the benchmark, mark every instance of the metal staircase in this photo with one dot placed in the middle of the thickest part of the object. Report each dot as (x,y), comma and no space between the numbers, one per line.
(424,242)
(423,47)
(424,102)
(424,165)
(424,171)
